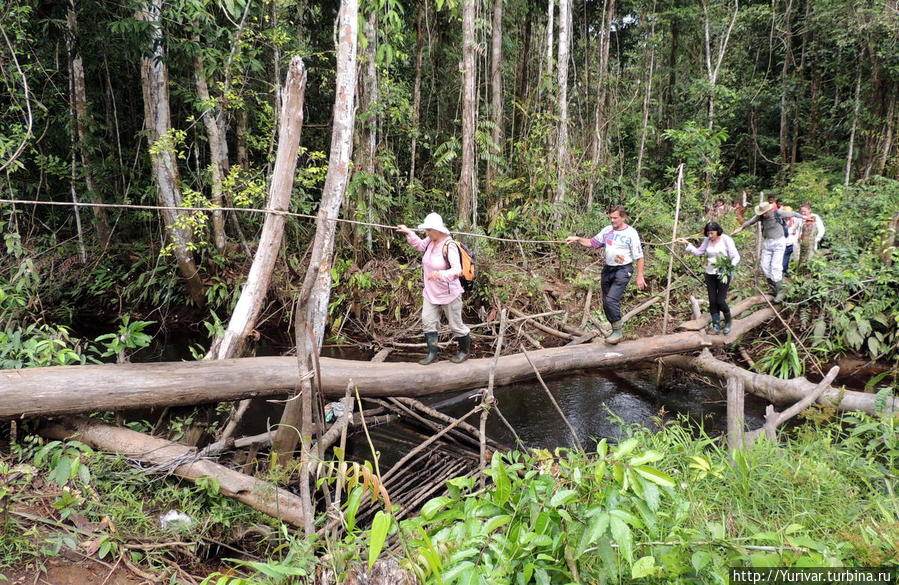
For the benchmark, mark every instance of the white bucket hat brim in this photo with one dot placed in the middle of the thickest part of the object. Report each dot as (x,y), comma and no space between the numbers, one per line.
(433,221)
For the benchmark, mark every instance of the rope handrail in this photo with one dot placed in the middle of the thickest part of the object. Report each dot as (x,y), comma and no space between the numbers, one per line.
(276,212)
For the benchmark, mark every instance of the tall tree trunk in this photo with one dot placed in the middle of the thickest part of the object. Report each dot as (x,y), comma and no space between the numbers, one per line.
(154,77)
(416,89)
(496,90)
(600,121)
(562,145)
(243,126)
(550,32)
(713,69)
(82,119)
(888,131)
(522,79)
(246,312)
(672,71)
(785,109)
(312,314)
(647,96)
(467,207)
(368,99)
(855,108)
(214,138)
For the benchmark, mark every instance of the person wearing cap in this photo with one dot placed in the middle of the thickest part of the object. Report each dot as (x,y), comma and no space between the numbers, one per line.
(442,292)
(772,220)
(623,252)
(716,244)
(794,230)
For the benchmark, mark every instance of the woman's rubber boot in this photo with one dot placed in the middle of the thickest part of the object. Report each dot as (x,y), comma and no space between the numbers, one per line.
(464,347)
(728,324)
(433,348)
(772,287)
(616,334)
(779,291)
(715,329)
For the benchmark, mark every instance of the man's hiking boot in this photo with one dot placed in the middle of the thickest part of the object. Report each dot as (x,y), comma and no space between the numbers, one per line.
(715,328)
(779,291)
(433,348)
(616,334)
(728,324)
(464,347)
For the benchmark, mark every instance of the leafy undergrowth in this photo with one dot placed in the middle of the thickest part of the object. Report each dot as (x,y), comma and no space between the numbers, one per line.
(660,507)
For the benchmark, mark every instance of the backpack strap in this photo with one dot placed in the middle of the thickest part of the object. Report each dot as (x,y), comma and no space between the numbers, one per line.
(446,252)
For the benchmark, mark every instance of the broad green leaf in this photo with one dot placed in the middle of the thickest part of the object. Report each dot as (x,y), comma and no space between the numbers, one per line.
(644,567)
(503,487)
(621,534)
(431,507)
(562,497)
(700,559)
(594,530)
(496,522)
(655,476)
(647,457)
(380,526)
(624,448)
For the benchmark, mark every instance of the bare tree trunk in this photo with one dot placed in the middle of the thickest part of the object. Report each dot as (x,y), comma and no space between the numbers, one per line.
(33,392)
(562,146)
(647,96)
(855,109)
(600,121)
(371,96)
(712,70)
(154,76)
(213,136)
(171,457)
(550,31)
(245,313)
(416,90)
(467,207)
(522,80)
(780,391)
(496,90)
(314,312)
(785,110)
(82,118)
(243,154)
(889,125)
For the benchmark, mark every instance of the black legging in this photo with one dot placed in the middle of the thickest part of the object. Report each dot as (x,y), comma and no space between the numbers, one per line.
(717,295)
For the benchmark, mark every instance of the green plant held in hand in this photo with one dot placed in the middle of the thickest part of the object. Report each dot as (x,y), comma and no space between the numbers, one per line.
(725,268)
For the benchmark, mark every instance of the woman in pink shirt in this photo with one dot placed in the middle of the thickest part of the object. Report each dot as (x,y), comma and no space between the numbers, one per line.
(441,266)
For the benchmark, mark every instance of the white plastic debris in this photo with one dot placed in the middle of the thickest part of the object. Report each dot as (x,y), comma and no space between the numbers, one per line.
(333,411)
(175,520)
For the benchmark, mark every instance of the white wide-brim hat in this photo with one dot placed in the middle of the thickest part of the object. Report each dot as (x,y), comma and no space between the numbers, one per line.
(434,222)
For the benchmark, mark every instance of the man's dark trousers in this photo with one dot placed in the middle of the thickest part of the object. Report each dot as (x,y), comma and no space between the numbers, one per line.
(614,281)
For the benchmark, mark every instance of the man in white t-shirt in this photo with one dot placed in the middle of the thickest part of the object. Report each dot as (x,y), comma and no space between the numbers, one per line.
(623,252)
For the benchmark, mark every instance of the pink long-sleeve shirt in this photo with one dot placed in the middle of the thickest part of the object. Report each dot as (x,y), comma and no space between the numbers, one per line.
(446,288)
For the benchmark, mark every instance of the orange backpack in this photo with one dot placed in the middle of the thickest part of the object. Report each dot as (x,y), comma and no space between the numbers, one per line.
(469,264)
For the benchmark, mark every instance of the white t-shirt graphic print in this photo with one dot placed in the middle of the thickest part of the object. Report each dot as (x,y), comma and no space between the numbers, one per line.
(621,246)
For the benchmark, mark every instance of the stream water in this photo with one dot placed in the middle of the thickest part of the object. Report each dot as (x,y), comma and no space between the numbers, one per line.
(597,404)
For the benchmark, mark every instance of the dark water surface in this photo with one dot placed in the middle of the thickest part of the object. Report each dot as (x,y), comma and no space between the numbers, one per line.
(599,403)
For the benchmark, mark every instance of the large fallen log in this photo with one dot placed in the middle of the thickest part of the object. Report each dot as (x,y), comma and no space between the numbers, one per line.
(182,461)
(776,390)
(77,389)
